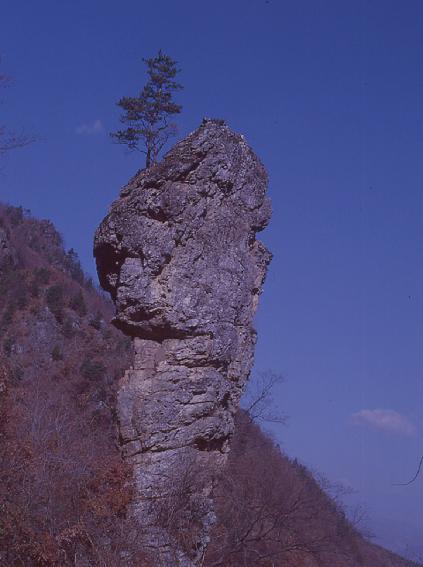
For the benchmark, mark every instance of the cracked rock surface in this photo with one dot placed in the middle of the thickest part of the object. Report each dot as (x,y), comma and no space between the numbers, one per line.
(179,255)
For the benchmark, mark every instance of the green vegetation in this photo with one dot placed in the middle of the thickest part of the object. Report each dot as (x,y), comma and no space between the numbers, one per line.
(77,303)
(92,369)
(55,300)
(56,353)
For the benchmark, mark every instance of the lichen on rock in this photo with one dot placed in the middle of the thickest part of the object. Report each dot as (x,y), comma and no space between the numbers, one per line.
(179,255)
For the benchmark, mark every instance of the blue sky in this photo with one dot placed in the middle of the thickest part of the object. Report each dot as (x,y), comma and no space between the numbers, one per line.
(329,94)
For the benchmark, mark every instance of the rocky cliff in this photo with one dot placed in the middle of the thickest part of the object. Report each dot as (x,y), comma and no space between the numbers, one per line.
(179,255)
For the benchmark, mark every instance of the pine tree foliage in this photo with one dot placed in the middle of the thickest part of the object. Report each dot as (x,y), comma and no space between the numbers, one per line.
(147,117)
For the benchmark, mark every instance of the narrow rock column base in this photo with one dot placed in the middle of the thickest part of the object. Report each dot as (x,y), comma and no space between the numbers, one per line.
(176,465)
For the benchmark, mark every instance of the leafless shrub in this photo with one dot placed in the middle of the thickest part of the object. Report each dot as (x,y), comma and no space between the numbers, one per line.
(11,140)
(270,510)
(182,510)
(259,401)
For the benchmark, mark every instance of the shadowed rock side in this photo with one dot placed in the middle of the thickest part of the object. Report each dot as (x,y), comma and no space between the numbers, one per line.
(179,256)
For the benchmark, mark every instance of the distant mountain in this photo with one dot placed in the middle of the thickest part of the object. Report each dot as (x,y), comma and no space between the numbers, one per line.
(64,488)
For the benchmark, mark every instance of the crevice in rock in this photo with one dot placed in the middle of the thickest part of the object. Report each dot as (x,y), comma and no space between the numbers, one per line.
(204,444)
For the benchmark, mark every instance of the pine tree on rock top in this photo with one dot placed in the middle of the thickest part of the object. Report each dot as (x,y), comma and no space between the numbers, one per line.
(148,116)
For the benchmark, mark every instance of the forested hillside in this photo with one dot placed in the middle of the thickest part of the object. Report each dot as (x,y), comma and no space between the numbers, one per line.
(62,481)
(273,512)
(64,489)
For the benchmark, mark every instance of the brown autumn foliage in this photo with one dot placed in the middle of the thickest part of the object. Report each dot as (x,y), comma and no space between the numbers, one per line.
(64,490)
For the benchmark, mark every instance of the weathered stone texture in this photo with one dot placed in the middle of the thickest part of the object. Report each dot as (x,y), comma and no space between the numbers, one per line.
(179,256)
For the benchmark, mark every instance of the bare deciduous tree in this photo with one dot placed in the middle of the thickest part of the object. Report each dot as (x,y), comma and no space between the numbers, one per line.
(10,140)
(270,512)
(259,400)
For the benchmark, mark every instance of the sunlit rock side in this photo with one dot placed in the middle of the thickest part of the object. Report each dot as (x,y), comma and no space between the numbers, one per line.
(179,255)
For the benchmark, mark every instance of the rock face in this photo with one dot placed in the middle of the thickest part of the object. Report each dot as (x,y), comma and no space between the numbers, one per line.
(178,254)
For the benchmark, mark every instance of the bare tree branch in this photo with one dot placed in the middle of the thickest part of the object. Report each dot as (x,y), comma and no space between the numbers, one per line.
(11,140)
(414,477)
(259,401)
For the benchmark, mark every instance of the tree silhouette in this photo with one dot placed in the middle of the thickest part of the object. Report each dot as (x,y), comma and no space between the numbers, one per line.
(147,116)
(10,140)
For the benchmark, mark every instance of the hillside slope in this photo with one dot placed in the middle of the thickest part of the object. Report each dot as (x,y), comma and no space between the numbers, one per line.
(273,512)
(63,486)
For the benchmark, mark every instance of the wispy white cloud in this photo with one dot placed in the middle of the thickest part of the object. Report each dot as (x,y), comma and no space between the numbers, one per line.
(385,420)
(89,128)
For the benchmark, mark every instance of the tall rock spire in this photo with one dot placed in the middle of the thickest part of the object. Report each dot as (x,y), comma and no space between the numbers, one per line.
(179,255)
